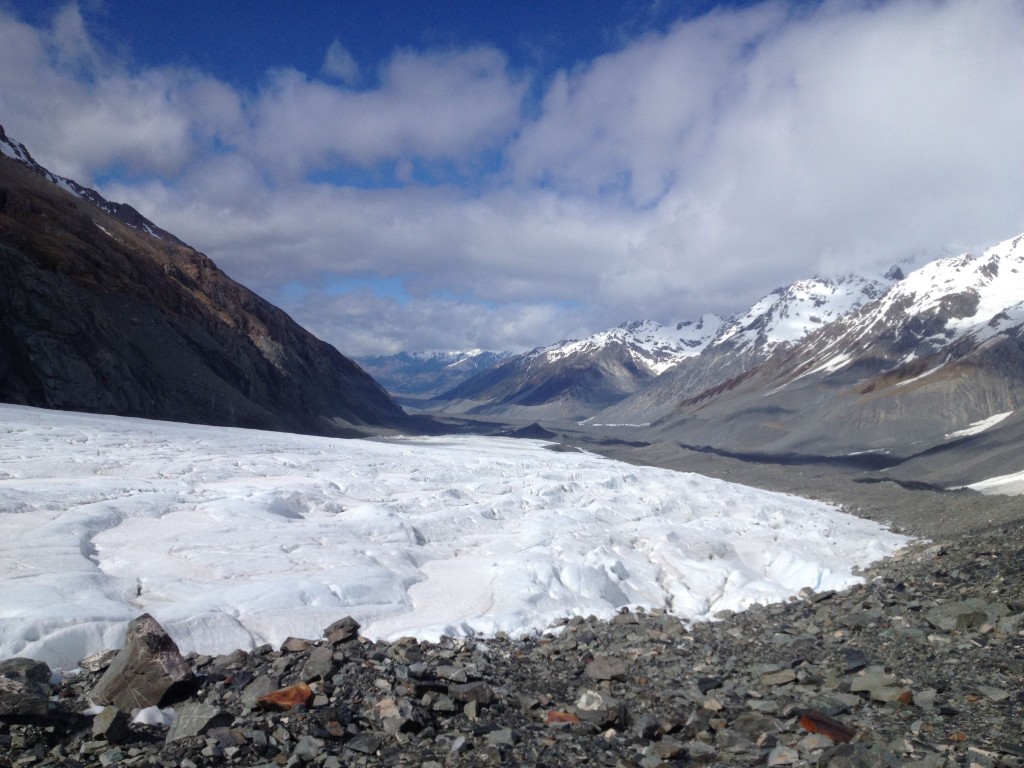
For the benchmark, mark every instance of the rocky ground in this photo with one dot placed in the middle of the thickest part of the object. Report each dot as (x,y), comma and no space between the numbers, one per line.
(922,664)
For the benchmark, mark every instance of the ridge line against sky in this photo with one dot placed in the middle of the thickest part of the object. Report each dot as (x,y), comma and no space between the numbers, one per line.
(399,176)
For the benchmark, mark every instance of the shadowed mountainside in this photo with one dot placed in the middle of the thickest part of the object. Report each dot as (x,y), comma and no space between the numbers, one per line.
(102,311)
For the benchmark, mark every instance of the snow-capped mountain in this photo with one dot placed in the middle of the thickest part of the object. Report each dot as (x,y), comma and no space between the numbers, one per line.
(103,311)
(632,369)
(651,345)
(928,377)
(949,300)
(424,374)
(788,315)
(573,379)
(770,328)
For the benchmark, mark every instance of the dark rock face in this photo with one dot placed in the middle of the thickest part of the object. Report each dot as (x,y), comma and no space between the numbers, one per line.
(112,724)
(147,672)
(98,316)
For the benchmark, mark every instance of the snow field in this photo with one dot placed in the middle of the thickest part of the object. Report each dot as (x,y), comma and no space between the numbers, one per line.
(232,538)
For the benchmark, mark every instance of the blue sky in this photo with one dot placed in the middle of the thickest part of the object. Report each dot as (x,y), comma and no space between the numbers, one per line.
(239,40)
(418,175)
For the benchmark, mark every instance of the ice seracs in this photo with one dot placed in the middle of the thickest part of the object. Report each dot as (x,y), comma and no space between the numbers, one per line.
(232,538)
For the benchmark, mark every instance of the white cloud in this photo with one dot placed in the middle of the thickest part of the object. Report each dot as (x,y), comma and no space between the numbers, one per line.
(771,142)
(82,112)
(690,171)
(340,64)
(436,105)
(361,323)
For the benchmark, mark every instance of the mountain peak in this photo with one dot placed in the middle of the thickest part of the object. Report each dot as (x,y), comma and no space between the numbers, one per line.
(120,211)
(789,314)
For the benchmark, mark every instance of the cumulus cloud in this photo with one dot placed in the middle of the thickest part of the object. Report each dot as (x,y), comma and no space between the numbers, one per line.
(771,140)
(83,111)
(688,171)
(434,105)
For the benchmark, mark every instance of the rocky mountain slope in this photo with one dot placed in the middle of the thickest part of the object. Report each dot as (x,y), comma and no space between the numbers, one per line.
(103,311)
(770,328)
(573,379)
(923,383)
(424,374)
(938,352)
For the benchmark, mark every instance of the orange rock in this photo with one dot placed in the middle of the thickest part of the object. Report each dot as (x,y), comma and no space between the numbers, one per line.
(286,698)
(557,718)
(819,722)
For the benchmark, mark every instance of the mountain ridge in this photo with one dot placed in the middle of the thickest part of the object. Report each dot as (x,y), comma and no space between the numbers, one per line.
(574,378)
(900,365)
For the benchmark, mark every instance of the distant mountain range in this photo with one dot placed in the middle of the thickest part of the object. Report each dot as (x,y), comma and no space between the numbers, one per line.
(426,374)
(101,310)
(577,379)
(919,373)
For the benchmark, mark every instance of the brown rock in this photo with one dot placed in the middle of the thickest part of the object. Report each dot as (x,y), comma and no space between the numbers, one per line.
(561,718)
(819,722)
(285,698)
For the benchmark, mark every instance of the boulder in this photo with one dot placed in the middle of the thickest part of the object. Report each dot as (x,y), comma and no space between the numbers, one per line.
(286,698)
(148,671)
(342,630)
(319,665)
(111,724)
(606,668)
(24,688)
(952,617)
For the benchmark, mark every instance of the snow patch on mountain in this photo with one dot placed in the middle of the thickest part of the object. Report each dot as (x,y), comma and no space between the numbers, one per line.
(651,345)
(788,315)
(931,307)
(979,426)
